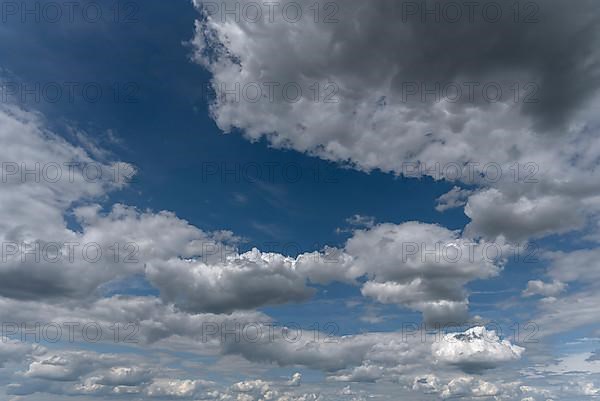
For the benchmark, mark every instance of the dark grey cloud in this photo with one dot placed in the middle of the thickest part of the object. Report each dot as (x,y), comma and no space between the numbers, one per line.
(550,42)
(382,62)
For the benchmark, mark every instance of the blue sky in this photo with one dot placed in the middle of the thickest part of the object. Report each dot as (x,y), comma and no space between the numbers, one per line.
(289,182)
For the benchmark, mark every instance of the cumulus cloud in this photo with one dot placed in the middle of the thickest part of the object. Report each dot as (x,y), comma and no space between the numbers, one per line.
(469,387)
(243,281)
(255,390)
(495,213)
(456,197)
(473,388)
(72,373)
(547,153)
(172,388)
(43,258)
(475,350)
(539,154)
(43,177)
(155,322)
(393,263)
(124,376)
(421,266)
(538,287)
(68,366)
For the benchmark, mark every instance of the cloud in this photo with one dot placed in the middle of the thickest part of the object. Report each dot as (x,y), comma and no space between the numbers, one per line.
(124,376)
(456,197)
(199,285)
(361,221)
(421,266)
(69,366)
(475,350)
(469,387)
(168,388)
(43,258)
(538,287)
(13,351)
(255,390)
(535,159)
(44,177)
(576,308)
(580,265)
(595,356)
(155,321)
(494,213)
(473,388)
(72,373)
(568,312)
(244,281)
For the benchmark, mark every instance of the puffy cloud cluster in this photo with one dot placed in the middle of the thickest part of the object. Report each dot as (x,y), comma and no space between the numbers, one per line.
(475,350)
(370,127)
(103,375)
(43,177)
(420,266)
(200,276)
(241,281)
(45,258)
(543,152)
(473,388)
(256,390)
(535,165)
(118,375)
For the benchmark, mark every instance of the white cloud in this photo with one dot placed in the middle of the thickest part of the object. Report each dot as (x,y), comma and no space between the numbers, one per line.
(420,266)
(469,387)
(475,350)
(172,388)
(244,281)
(456,197)
(538,287)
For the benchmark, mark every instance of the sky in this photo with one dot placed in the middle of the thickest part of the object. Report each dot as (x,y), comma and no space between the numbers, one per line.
(299,200)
